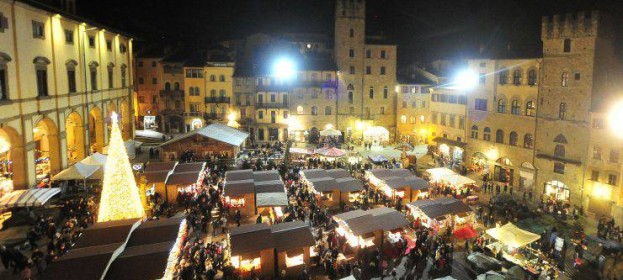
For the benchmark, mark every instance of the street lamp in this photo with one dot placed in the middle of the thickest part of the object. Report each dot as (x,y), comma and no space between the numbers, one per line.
(615,119)
(284,68)
(466,79)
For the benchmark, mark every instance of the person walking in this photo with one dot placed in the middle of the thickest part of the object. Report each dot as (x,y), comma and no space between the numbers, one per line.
(238,217)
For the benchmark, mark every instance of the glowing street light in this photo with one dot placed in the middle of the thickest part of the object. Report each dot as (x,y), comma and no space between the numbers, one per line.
(615,119)
(466,79)
(284,69)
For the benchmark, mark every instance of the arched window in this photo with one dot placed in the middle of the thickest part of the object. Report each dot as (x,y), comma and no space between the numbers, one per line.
(499,136)
(352,33)
(512,139)
(486,134)
(314,110)
(213,93)
(327,110)
(71,76)
(515,109)
(562,111)
(564,79)
(299,110)
(212,78)
(528,141)
(350,97)
(93,72)
(221,78)
(559,167)
(371,92)
(560,139)
(167,86)
(503,79)
(176,86)
(517,77)
(530,109)
(350,87)
(502,106)
(559,151)
(475,131)
(532,77)
(191,91)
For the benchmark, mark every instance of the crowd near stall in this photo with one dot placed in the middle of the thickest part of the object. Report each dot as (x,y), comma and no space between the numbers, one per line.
(398,184)
(334,187)
(441,213)
(256,192)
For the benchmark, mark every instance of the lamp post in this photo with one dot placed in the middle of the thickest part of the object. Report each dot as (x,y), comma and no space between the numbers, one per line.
(466,80)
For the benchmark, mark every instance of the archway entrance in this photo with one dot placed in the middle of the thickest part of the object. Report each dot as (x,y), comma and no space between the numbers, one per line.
(12,171)
(74,131)
(47,152)
(503,172)
(96,130)
(526,176)
(126,125)
(314,135)
(557,190)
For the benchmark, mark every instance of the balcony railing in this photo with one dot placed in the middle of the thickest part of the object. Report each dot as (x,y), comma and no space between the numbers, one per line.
(272,105)
(172,93)
(217,99)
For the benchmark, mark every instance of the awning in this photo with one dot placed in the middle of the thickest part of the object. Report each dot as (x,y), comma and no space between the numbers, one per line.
(449,142)
(27,198)
(271,199)
(330,132)
(377,158)
(349,184)
(78,171)
(95,159)
(513,236)
(440,207)
(332,152)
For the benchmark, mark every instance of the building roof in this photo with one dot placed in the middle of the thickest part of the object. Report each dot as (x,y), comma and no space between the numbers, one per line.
(338,173)
(271,199)
(152,232)
(292,235)
(349,184)
(156,176)
(216,131)
(269,186)
(440,207)
(159,166)
(250,238)
(184,178)
(107,233)
(141,262)
(235,175)
(314,173)
(362,222)
(239,187)
(189,167)
(72,266)
(268,175)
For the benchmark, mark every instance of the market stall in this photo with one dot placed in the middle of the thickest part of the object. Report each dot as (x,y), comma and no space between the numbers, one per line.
(335,187)
(370,228)
(444,177)
(28,198)
(256,192)
(377,159)
(376,135)
(398,183)
(181,182)
(441,213)
(512,242)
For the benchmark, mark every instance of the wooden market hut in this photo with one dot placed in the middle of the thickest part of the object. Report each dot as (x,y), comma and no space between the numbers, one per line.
(159,166)
(254,192)
(293,242)
(333,187)
(177,181)
(213,139)
(241,195)
(443,210)
(398,182)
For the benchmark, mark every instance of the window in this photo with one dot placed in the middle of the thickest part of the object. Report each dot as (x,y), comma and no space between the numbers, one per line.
(154,64)
(222,93)
(530,109)
(577,76)
(371,92)
(4,23)
(123,76)
(314,110)
(612,179)
(414,104)
(559,167)
(461,122)
(515,109)
(368,70)
(596,152)
(512,139)
(212,78)
(4,94)
(502,106)
(499,136)
(141,80)
(273,117)
(352,70)
(69,36)
(212,93)
(154,81)
(122,48)
(412,119)
(260,115)
(191,91)
(221,78)
(566,46)
(486,134)
(564,79)
(260,134)
(351,33)
(614,156)
(38,30)
(368,54)
(351,53)
(328,94)
(528,141)
(91,41)
(197,92)
(481,104)
(111,82)
(503,79)
(451,121)
(382,110)
(383,54)
(385,92)
(382,70)
(141,99)
(299,110)
(532,77)
(559,151)
(93,72)
(594,175)
(517,77)
(562,110)
(71,76)
(327,110)
(194,73)
(109,45)
(273,98)
(403,119)
(350,97)
(285,114)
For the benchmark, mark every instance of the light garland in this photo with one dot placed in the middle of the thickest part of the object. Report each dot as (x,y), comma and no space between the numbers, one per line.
(120,198)
(174,255)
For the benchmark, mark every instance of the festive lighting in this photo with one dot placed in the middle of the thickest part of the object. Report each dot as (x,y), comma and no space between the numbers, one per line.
(294,260)
(614,119)
(602,191)
(466,79)
(174,255)
(4,145)
(284,69)
(328,126)
(120,198)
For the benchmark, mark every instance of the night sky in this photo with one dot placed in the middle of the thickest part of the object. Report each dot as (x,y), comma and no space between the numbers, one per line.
(424,30)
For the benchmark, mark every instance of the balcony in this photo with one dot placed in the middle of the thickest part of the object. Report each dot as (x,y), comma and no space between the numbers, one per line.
(192,114)
(272,105)
(274,88)
(213,116)
(217,99)
(174,94)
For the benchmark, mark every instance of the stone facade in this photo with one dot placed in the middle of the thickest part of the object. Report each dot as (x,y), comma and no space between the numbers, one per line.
(413,112)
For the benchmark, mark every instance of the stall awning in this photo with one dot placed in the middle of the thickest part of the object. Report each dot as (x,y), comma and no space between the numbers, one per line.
(450,142)
(236,175)
(78,171)
(186,178)
(513,236)
(440,207)
(270,175)
(269,186)
(27,198)
(238,188)
(271,199)
(377,158)
(95,159)
(324,184)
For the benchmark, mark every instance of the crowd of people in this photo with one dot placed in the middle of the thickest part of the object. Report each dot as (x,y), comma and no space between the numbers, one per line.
(607,229)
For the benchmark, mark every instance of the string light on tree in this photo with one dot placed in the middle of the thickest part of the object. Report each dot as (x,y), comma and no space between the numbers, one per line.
(120,198)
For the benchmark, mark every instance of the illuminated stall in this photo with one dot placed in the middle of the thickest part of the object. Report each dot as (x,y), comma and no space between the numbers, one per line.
(240,195)
(513,243)
(259,192)
(155,175)
(398,183)
(441,212)
(332,187)
(446,177)
(371,227)
(181,182)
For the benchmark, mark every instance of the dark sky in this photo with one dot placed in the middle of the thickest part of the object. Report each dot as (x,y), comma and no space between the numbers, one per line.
(423,29)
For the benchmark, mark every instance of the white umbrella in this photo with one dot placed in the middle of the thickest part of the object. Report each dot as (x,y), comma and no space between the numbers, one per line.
(95,159)
(78,171)
(330,132)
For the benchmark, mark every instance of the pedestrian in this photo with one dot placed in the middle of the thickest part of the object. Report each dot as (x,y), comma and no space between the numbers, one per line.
(259,219)
(5,256)
(511,190)
(223,224)
(238,217)
(505,188)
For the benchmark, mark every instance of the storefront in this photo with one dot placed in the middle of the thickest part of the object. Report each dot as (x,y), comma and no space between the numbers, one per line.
(6,168)
(479,162)
(503,170)
(557,190)
(332,188)
(451,149)
(150,122)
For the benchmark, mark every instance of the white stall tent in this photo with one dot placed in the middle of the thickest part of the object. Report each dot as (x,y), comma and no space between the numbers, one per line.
(78,171)
(28,198)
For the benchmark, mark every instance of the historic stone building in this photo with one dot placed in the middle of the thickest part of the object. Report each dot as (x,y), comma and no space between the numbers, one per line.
(61,78)
(149,83)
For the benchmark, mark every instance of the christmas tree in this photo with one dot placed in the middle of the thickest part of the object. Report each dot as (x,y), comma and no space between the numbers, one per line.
(120,198)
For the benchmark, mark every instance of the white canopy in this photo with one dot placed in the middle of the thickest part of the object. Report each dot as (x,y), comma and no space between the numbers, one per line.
(130,148)
(28,198)
(78,171)
(439,172)
(458,180)
(513,236)
(95,159)
(330,132)
(376,133)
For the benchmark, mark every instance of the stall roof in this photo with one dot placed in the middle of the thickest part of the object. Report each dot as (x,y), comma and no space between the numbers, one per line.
(107,233)
(413,182)
(271,199)
(250,238)
(349,184)
(156,176)
(292,235)
(324,184)
(269,175)
(314,173)
(383,218)
(381,173)
(159,166)
(441,207)
(151,232)
(236,175)
(141,262)
(189,167)
(239,188)
(186,178)
(338,173)
(73,266)
(216,131)
(28,198)
(512,235)
(269,186)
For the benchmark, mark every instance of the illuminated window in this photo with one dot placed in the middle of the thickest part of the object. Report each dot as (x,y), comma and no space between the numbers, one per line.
(299,110)
(295,260)
(487,134)
(403,119)
(474,131)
